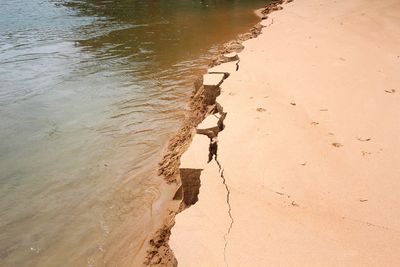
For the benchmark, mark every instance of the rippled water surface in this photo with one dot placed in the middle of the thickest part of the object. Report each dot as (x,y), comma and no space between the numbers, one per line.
(90,93)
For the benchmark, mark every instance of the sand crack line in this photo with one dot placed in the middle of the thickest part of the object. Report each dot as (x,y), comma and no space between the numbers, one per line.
(228,195)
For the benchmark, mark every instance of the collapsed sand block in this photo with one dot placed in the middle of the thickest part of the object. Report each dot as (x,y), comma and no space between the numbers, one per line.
(197,154)
(211,83)
(198,234)
(233,56)
(209,122)
(213,80)
(229,53)
(266,22)
(229,67)
(189,191)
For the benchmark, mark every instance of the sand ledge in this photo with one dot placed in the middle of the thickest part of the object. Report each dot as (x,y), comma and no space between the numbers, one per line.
(203,103)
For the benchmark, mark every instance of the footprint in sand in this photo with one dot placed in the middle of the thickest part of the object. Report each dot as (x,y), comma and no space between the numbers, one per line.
(365,153)
(261,109)
(363,139)
(314,123)
(337,144)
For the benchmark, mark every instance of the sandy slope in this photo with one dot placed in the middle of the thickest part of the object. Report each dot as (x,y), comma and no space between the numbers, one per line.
(311,148)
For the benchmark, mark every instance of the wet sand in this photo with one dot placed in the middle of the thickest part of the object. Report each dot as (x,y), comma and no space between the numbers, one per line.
(308,163)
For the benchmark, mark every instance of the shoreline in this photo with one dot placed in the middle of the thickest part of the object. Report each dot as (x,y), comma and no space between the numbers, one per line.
(307,169)
(202,104)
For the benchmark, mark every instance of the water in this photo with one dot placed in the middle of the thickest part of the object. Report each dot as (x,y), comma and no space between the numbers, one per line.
(90,93)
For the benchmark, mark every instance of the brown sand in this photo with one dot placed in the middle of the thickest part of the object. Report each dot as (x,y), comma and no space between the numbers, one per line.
(310,153)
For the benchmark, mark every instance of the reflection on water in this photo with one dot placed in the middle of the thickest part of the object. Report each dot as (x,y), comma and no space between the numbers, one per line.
(90,92)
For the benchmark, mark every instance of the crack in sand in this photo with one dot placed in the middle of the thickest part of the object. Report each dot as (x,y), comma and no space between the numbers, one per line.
(212,134)
(228,194)
(383,227)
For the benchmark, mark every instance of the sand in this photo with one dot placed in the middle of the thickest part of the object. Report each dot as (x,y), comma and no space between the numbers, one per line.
(309,157)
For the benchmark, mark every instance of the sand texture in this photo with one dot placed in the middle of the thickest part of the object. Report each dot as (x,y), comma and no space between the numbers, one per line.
(307,168)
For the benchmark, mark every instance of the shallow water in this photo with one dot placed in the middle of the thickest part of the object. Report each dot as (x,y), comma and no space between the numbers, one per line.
(90,93)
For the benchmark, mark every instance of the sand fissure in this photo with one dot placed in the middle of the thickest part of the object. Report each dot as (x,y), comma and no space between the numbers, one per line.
(228,202)
(212,134)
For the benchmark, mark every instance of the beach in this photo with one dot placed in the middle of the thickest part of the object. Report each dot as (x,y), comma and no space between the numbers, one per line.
(305,162)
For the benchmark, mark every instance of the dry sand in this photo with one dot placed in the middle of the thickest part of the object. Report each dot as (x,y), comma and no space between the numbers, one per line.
(311,149)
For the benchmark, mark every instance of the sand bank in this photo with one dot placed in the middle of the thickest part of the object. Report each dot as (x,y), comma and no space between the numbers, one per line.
(308,163)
